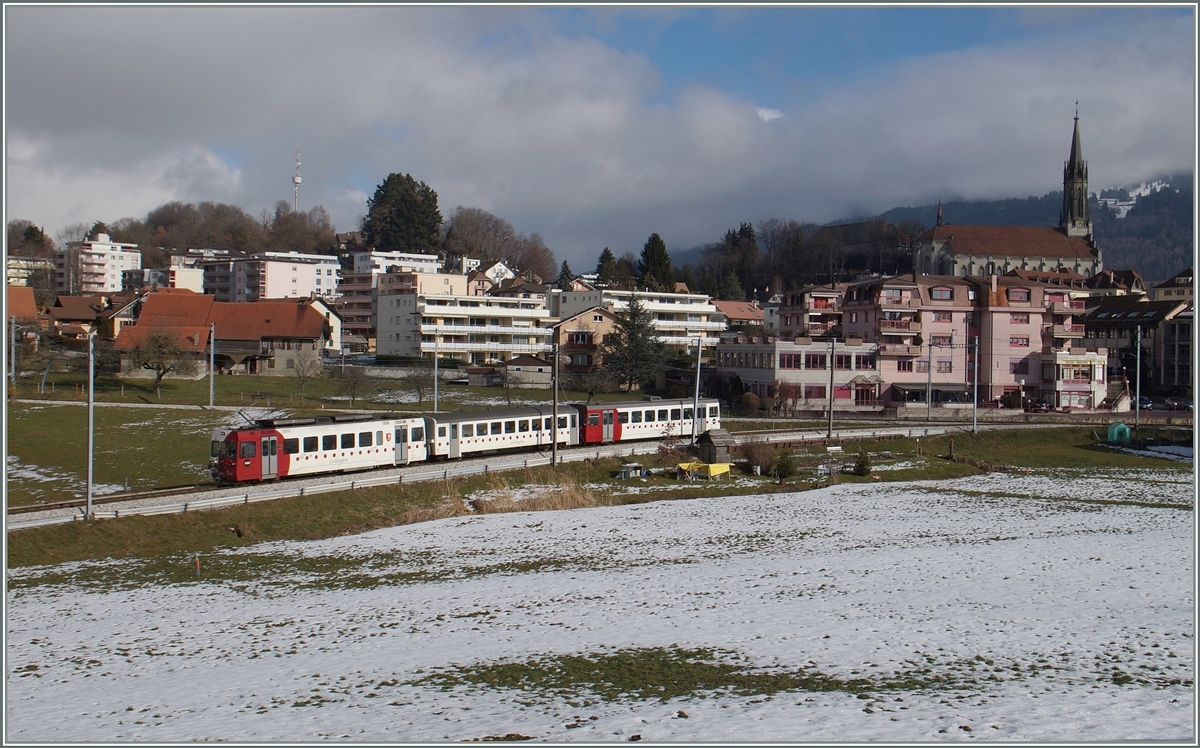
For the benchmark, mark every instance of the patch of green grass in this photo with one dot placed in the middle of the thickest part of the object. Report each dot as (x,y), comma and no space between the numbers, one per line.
(663,674)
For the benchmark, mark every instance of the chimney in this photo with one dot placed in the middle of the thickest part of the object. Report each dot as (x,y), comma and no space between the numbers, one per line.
(993,283)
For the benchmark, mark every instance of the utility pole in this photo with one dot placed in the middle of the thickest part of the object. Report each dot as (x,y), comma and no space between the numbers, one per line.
(975,410)
(91,417)
(929,382)
(696,405)
(1137,397)
(832,353)
(212,369)
(12,346)
(554,401)
(436,353)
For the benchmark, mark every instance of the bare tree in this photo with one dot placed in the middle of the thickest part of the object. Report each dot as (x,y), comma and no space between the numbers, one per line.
(352,382)
(307,368)
(533,258)
(420,378)
(162,351)
(474,232)
(72,232)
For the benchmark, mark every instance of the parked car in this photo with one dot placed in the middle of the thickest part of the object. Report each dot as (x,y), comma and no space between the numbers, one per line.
(1145,403)
(1179,403)
(1038,406)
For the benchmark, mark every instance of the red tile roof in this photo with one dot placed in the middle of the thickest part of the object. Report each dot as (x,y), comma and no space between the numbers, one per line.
(76,308)
(189,316)
(21,304)
(739,311)
(1010,241)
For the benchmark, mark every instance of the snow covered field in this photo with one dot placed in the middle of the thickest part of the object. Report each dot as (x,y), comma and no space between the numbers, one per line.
(1056,606)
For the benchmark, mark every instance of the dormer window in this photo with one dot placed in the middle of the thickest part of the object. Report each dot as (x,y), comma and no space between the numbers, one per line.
(1018,294)
(941,294)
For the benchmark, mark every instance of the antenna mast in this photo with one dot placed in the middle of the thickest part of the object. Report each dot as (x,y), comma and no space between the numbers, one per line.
(296,181)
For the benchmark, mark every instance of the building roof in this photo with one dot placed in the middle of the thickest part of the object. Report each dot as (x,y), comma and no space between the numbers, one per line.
(1131,311)
(1010,241)
(190,315)
(1127,280)
(739,311)
(21,304)
(76,308)
(526,361)
(591,311)
(1182,279)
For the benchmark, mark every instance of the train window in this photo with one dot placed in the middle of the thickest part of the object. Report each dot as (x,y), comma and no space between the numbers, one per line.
(291,446)
(468,429)
(496,427)
(623,417)
(674,414)
(687,414)
(249,449)
(328,442)
(713,412)
(510,427)
(523,424)
(649,416)
(662,414)
(379,438)
(274,446)
(310,444)
(573,421)
(347,441)
(364,439)
(562,422)
(608,417)
(548,425)
(401,436)
(441,431)
(637,416)
(231,449)
(593,419)
(215,451)
(418,435)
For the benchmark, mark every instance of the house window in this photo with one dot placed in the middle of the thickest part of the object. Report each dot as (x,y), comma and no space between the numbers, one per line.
(1018,294)
(841,361)
(904,364)
(945,365)
(922,364)
(1018,366)
(942,340)
(1019,319)
(1021,342)
(943,317)
(853,316)
(814,391)
(814,361)
(864,361)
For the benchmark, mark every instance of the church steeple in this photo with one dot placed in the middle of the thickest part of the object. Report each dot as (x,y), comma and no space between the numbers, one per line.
(1076,216)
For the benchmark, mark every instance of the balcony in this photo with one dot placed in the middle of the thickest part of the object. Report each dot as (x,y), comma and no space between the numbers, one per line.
(1066,307)
(899,349)
(681,340)
(1067,331)
(902,325)
(484,330)
(821,305)
(428,346)
(679,324)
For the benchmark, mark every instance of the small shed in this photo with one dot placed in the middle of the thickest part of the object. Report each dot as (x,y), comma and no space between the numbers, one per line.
(484,376)
(1118,433)
(630,470)
(715,445)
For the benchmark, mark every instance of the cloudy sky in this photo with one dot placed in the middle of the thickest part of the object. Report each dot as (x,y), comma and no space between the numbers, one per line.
(593,127)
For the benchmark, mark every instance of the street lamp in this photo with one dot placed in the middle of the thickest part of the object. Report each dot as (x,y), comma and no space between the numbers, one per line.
(696,404)
(91,409)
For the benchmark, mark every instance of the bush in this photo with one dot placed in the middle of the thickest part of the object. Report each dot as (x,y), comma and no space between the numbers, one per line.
(757,453)
(750,401)
(862,465)
(785,466)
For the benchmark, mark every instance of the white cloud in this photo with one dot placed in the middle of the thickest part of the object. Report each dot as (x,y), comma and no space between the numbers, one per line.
(563,136)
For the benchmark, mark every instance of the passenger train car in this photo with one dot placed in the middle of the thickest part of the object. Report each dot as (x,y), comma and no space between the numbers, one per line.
(278,448)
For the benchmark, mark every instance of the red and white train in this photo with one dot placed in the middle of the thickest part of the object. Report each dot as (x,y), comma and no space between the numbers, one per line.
(282,448)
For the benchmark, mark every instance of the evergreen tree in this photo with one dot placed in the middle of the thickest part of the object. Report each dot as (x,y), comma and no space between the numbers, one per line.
(606,268)
(565,276)
(654,268)
(731,289)
(403,216)
(632,355)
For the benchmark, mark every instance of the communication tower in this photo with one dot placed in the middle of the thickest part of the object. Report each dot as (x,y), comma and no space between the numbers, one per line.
(296,181)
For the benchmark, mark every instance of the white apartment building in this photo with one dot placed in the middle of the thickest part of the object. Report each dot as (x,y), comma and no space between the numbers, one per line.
(272,275)
(678,318)
(462,328)
(94,266)
(375,261)
(180,274)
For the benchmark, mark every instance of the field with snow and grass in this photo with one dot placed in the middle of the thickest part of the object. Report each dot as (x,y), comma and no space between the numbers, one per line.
(1055,606)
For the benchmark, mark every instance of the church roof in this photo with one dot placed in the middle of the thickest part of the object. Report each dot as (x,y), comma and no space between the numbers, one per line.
(1010,241)
(1076,147)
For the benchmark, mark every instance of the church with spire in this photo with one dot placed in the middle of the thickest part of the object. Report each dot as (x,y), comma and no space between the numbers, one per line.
(1067,252)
